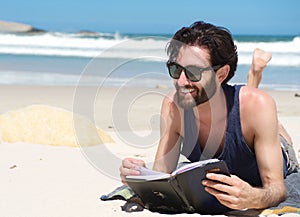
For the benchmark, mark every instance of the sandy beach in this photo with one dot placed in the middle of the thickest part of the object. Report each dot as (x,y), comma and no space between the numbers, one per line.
(43,180)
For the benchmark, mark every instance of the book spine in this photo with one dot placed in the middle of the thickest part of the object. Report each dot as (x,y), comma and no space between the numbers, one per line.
(187,207)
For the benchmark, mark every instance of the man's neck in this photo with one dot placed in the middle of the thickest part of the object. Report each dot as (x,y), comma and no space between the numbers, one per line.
(212,117)
(214,109)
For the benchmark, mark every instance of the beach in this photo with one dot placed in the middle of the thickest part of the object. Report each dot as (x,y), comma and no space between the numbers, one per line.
(82,84)
(44,180)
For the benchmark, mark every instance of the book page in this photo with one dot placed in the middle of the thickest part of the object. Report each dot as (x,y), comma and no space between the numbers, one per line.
(148,174)
(190,166)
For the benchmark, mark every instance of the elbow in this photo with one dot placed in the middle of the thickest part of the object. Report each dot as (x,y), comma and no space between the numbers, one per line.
(280,195)
(283,195)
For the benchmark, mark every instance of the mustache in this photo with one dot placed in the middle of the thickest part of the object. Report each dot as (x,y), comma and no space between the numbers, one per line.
(185,86)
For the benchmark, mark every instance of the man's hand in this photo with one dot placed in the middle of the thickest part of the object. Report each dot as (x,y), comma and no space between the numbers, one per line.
(130,166)
(230,191)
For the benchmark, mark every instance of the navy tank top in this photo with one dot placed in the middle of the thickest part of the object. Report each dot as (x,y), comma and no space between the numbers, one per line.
(240,159)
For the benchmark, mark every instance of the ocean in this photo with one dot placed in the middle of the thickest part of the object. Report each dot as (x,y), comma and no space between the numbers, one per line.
(105,59)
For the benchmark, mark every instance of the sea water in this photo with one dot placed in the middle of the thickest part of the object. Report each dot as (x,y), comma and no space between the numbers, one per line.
(104,59)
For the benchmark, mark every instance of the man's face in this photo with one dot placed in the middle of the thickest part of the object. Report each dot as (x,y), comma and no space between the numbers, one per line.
(190,94)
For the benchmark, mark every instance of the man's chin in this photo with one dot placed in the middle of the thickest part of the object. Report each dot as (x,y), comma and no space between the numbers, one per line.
(186,104)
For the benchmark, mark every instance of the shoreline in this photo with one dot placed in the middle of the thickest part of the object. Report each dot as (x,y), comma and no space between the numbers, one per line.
(15,96)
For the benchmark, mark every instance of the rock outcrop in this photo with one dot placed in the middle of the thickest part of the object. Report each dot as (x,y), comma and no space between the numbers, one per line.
(13,27)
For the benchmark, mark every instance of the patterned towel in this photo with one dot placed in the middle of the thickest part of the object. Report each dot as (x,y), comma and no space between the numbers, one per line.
(283,210)
(121,193)
(292,203)
(133,202)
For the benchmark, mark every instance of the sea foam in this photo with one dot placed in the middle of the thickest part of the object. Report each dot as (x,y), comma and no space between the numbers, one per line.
(285,53)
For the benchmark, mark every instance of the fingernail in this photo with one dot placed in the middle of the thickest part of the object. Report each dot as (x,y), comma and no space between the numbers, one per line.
(208,175)
(136,172)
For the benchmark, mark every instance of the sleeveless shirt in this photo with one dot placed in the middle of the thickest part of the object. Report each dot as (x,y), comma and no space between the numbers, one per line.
(240,159)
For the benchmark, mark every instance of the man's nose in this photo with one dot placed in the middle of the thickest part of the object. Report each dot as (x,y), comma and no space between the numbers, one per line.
(183,80)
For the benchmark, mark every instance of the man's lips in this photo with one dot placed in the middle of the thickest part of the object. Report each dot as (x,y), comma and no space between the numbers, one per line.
(186,90)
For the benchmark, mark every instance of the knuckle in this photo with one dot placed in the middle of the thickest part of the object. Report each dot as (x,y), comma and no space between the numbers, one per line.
(219,186)
(236,201)
(238,193)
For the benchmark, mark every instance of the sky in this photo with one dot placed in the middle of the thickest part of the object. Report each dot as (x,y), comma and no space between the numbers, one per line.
(255,17)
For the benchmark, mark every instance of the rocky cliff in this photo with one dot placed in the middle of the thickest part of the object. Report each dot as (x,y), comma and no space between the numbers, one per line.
(13,27)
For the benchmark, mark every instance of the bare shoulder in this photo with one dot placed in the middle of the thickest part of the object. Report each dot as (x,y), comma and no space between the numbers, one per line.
(171,113)
(258,113)
(169,105)
(254,99)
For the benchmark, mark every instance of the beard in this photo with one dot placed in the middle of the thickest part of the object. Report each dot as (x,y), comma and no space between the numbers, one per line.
(187,101)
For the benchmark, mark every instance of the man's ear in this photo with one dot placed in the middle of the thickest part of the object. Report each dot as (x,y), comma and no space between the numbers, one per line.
(222,73)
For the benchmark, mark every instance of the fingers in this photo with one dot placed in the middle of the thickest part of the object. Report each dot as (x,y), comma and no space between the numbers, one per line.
(223,198)
(231,191)
(220,178)
(217,187)
(219,184)
(226,199)
(132,163)
(129,171)
(130,166)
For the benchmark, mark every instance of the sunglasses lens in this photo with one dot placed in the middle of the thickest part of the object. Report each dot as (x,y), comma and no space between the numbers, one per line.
(174,70)
(193,73)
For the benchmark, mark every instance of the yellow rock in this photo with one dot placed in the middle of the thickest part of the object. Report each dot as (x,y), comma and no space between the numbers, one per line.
(42,124)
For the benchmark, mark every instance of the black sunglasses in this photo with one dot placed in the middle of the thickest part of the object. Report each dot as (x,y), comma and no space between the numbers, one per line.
(193,73)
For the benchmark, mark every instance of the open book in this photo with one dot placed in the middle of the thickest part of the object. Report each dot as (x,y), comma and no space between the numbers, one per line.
(180,191)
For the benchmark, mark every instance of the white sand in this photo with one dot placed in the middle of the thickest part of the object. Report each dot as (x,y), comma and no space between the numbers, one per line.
(41,181)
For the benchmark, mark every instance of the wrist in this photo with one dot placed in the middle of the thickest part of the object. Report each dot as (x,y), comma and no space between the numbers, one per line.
(267,197)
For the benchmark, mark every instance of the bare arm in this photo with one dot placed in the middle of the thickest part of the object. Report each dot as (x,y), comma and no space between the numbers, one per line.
(168,151)
(262,117)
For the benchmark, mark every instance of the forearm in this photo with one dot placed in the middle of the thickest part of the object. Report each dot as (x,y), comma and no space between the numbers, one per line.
(268,196)
(166,161)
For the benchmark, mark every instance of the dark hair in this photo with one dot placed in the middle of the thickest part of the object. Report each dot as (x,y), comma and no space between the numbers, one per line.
(217,40)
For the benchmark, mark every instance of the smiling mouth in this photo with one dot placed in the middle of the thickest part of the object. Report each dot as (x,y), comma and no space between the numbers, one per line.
(185,90)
